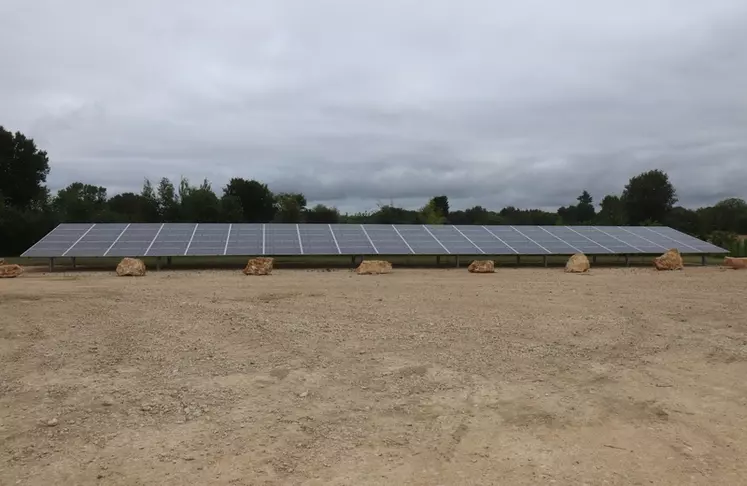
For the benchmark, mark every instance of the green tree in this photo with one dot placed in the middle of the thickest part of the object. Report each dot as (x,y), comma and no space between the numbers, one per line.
(585,211)
(199,204)
(289,207)
(730,215)
(168,201)
(435,211)
(649,197)
(322,214)
(23,171)
(80,203)
(231,210)
(132,208)
(441,205)
(389,214)
(257,201)
(611,212)
(683,219)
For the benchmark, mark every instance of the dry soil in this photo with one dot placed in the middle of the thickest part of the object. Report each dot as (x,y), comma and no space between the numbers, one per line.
(426,377)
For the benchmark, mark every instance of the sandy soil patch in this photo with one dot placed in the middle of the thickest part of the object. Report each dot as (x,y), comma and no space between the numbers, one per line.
(525,376)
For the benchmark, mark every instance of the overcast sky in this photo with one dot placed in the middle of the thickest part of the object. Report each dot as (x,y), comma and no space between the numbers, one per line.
(354,103)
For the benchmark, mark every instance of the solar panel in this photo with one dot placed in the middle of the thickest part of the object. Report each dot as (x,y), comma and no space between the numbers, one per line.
(282,239)
(318,239)
(352,240)
(421,240)
(208,240)
(58,241)
(386,239)
(134,241)
(516,239)
(244,239)
(487,242)
(96,241)
(173,239)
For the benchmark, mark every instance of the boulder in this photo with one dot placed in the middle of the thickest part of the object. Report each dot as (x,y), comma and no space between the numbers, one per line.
(481,266)
(735,263)
(578,263)
(2,261)
(374,267)
(670,260)
(10,271)
(259,266)
(131,267)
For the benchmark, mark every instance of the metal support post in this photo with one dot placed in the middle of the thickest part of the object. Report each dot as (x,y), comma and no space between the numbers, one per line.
(518,260)
(73,260)
(594,259)
(352,260)
(703,260)
(438,260)
(51,265)
(457,261)
(158,263)
(544,260)
(627,261)
(168,261)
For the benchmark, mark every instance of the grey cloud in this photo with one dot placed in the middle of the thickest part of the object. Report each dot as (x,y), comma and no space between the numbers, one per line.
(357,104)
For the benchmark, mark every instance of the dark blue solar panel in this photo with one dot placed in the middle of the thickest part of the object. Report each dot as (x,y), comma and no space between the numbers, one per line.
(246,240)
(318,239)
(421,240)
(208,240)
(97,241)
(172,240)
(386,239)
(175,239)
(58,241)
(352,240)
(282,239)
(455,241)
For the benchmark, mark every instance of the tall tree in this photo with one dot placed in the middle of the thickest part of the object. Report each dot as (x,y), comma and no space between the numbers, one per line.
(168,201)
(612,211)
(649,197)
(585,211)
(257,201)
(322,214)
(80,203)
(289,207)
(23,171)
(198,204)
(441,205)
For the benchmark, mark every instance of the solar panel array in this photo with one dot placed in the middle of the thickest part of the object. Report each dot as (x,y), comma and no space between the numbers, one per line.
(277,239)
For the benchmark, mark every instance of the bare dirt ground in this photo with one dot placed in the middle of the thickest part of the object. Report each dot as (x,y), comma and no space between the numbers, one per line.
(426,377)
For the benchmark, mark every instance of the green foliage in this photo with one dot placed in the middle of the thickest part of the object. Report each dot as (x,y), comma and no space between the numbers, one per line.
(611,212)
(322,214)
(289,207)
(738,248)
(724,239)
(648,197)
(23,171)
(440,204)
(80,202)
(257,201)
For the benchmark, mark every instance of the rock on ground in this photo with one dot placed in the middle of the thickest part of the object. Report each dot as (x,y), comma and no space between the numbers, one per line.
(481,266)
(10,271)
(259,266)
(735,263)
(131,267)
(578,263)
(374,267)
(670,260)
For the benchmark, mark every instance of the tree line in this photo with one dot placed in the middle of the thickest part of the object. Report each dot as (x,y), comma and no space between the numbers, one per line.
(28,209)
